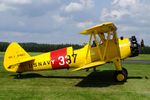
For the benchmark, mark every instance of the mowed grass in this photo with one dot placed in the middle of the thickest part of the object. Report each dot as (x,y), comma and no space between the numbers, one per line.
(81,85)
(140,57)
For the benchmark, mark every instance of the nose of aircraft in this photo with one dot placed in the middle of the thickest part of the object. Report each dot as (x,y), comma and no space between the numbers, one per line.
(135,47)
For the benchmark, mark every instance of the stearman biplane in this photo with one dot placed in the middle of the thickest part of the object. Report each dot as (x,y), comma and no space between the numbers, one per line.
(103,46)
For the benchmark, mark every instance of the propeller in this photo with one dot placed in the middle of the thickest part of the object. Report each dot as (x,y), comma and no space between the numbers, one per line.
(135,47)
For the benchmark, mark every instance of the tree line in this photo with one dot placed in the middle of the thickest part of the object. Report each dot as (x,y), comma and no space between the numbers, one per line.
(145,50)
(35,47)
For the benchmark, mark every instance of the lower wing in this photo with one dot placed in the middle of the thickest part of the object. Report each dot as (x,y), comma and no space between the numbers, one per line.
(90,65)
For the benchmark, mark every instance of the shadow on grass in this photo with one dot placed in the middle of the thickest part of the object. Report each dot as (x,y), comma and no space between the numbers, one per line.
(94,79)
(102,79)
(99,79)
(36,75)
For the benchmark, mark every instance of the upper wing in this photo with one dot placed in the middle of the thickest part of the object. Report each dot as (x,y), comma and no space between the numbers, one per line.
(90,65)
(100,28)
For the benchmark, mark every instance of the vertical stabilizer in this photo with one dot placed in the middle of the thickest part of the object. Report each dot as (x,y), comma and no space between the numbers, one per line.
(13,56)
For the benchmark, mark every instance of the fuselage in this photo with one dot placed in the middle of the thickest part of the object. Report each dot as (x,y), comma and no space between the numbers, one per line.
(66,58)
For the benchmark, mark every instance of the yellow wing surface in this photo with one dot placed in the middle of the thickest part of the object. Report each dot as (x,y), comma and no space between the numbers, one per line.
(90,65)
(100,28)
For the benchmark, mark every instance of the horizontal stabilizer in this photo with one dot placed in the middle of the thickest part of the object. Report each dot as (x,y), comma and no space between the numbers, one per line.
(90,65)
(23,61)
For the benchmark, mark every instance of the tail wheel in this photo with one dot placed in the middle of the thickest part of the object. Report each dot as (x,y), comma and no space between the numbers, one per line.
(19,76)
(120,76)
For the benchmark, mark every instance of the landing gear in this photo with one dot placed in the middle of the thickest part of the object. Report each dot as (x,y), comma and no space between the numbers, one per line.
(121,73)
(121,76)
(19,76)
(94,69)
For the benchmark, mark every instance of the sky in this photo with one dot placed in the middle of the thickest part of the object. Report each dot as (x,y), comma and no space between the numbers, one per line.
(60,21)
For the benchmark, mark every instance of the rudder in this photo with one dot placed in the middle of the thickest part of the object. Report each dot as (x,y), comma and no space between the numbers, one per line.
(13,56)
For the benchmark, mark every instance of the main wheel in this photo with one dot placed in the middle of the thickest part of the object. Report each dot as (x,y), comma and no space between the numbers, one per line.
(120,76)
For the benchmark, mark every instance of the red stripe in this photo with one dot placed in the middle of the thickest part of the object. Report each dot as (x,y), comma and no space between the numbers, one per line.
(59,59)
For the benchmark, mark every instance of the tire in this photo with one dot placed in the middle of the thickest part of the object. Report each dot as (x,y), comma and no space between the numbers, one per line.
(125,71)
(19,76)
(120,76)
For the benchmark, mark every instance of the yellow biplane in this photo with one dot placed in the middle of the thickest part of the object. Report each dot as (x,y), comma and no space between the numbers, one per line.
(103,46)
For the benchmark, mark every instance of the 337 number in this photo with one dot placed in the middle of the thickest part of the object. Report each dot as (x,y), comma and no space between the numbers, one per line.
(67,59)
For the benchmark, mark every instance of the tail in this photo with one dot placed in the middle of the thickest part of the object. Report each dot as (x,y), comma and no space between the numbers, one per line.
(14,56)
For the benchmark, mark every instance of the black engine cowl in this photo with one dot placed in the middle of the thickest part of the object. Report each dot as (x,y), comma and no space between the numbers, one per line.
(134,46)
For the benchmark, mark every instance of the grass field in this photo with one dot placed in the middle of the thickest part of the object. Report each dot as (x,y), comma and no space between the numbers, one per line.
(140,57)
(81,85)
